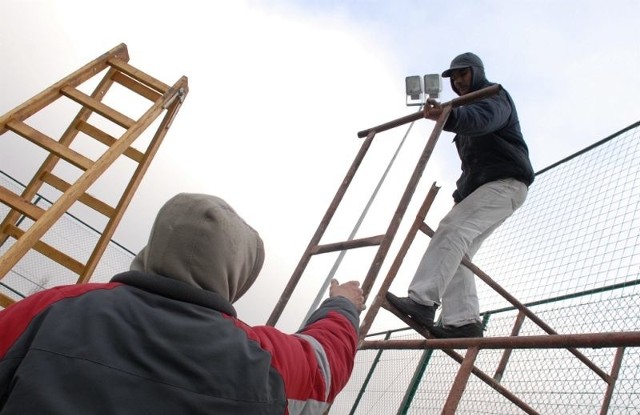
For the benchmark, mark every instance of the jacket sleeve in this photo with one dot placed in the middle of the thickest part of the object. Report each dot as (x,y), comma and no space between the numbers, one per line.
(315,363)
(481,117)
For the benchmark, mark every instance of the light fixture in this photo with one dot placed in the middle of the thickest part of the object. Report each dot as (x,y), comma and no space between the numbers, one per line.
(419,89)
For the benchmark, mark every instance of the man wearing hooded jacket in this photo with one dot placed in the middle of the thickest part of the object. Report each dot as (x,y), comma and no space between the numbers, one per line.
(163,338)
(496,173)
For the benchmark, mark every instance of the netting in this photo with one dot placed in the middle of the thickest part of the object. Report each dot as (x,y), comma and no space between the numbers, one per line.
(572,254)
(35,272)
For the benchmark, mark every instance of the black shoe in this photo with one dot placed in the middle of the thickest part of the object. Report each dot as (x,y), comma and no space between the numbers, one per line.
(421,314)
(450,332)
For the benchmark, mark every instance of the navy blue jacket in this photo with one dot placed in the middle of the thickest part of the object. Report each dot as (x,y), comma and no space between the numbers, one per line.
(488,140)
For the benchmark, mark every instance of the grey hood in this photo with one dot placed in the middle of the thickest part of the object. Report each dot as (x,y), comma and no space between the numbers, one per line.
(199,239)
(468,60)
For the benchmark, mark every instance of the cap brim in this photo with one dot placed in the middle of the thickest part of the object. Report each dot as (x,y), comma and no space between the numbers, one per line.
(447,73)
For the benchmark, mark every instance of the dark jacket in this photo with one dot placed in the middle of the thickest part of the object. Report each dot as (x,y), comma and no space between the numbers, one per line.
(145,344)
(488,136)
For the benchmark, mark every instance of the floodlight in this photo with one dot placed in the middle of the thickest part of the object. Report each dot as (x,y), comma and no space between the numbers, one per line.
(433,85)
(413,86)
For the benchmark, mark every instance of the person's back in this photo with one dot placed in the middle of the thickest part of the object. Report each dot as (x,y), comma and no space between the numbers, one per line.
(164,337)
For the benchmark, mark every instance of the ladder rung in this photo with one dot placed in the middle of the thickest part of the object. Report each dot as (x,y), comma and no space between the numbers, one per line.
(139,75)
(97,106)
(136,86)
(49,144)
(85,198)
(18,203)
(5,301)
(107,140)
(49,251)
(341,246)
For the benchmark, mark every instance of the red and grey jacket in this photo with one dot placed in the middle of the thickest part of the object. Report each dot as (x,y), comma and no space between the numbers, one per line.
(146,344)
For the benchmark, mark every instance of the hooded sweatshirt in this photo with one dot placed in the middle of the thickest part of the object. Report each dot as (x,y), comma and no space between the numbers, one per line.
(164,337)
(488,137)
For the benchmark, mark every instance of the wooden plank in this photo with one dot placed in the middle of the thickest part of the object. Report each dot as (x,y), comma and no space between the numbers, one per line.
(5,301)
(136,86)
(107,140)
(18,203)
(97,106)
(46,97)
(49,144)
(138,75)
(85,198)
(49,251)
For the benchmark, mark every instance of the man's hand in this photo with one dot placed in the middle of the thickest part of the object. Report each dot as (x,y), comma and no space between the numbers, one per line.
(350,290)
(432,109)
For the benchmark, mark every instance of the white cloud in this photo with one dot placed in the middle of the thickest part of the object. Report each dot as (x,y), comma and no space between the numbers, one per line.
(278,91)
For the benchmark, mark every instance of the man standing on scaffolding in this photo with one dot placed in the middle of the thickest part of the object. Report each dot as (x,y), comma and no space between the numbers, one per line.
(496,173)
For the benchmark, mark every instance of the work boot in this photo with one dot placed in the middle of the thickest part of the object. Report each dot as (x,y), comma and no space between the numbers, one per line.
(450,332)
(421,314)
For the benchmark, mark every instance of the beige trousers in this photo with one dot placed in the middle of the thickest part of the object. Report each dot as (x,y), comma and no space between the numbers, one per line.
(440,278)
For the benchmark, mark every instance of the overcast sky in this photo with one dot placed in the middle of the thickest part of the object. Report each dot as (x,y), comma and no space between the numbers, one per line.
(279,90)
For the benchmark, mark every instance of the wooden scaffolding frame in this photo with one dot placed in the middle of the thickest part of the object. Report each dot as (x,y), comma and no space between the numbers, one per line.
(163,99)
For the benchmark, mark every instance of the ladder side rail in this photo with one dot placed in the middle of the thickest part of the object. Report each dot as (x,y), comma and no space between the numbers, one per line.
(322,227)
(37,230)
(180,89)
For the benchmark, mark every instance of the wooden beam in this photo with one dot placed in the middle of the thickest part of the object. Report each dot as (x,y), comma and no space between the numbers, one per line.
(49,251)
(85,198)
(139,75)
(97,106)
(18,203)
(107,140)
(49,144)
(5,301)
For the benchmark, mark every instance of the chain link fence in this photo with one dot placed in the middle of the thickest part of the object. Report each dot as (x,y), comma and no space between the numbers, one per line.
(572,255)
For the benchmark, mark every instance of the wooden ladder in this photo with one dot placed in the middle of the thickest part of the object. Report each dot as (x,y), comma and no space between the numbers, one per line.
(163,98)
